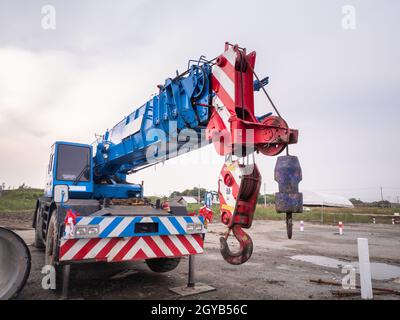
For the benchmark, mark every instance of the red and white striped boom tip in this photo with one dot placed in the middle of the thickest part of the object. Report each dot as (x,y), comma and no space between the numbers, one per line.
(233,123)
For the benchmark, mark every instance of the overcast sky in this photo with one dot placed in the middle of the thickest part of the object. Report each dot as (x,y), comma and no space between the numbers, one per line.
(340,87)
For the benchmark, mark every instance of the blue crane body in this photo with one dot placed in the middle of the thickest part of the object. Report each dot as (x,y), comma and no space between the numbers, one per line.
(123,149)
(105,218)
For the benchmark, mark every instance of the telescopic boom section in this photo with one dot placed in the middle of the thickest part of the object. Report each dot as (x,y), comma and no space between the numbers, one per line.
(213,101)
(233,115)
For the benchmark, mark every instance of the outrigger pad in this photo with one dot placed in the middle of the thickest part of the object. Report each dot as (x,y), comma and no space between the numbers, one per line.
(196,289)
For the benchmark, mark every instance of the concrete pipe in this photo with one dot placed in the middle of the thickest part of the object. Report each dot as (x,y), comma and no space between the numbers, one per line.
(15,264)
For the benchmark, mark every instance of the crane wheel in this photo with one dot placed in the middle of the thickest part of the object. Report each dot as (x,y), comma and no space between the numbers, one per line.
(274,148)
(249,185)
(51,249)
(163,264)
(38,242)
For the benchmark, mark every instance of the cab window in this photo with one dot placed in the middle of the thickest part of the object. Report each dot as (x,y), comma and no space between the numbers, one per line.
(73,163)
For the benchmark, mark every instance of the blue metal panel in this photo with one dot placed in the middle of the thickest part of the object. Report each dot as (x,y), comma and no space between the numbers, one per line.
(258,84)
(167,225)
(177,225)
(79,189)
(118,191)
(114,223)
(128,231)
(180,104)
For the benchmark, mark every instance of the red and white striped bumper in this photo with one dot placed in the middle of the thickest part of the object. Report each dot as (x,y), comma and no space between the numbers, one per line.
(117,239)
(132,248)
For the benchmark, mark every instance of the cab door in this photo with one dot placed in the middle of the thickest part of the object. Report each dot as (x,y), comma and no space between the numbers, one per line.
(49,175)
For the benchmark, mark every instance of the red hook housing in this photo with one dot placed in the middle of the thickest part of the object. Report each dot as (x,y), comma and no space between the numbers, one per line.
(246,246)
(238,189)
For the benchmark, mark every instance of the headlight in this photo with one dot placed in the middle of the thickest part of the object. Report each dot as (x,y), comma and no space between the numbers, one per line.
(194,227)
(90,231)
(93,230)
(80,231)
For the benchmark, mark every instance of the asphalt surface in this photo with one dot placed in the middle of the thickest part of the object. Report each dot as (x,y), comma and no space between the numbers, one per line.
(269,274)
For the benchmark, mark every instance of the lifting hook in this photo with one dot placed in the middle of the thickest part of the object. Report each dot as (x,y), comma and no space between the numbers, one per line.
(246,246)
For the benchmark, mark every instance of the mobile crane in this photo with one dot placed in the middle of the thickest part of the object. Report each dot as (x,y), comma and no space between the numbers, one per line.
(89,212)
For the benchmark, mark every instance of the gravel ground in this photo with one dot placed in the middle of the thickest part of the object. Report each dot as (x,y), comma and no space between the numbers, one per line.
(269,274)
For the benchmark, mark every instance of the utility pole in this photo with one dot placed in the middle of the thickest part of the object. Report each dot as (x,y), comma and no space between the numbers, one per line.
(199,195)
(382,197)
(322,213)
(265,195)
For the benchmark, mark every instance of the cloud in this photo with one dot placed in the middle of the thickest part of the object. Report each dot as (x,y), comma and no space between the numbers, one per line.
(339,88)
(51,95)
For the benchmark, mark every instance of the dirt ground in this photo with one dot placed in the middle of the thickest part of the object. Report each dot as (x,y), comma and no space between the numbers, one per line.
(16,220)
(269,274)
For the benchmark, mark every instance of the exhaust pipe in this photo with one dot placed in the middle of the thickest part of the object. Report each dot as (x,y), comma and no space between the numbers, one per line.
(15,264)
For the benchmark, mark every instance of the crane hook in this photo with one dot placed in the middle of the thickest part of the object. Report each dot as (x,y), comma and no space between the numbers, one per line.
(246,246)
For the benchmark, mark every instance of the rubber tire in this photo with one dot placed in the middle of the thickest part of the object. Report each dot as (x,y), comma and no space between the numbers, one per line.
(38,242)
(163,264)
(15,264)
(51,249)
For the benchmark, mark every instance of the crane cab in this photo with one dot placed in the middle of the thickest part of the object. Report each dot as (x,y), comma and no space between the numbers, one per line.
(70,164)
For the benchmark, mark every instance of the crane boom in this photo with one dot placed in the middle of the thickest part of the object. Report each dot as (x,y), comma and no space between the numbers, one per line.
(181,104)
(211,102)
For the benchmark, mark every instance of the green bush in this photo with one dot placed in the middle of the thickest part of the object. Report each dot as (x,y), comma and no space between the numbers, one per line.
(22,199)
(324,215)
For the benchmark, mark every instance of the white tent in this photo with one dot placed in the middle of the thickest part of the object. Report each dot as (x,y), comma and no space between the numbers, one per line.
(312,198)
(186,200)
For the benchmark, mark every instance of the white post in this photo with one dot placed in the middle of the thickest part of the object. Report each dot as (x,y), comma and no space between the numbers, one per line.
(302,226)
(340,227)
(365,268)
(393,221)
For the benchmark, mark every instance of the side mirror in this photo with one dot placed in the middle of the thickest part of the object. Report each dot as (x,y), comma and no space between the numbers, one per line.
(60,193)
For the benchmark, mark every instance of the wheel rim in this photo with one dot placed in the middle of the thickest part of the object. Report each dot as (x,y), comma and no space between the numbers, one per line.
(51,245)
